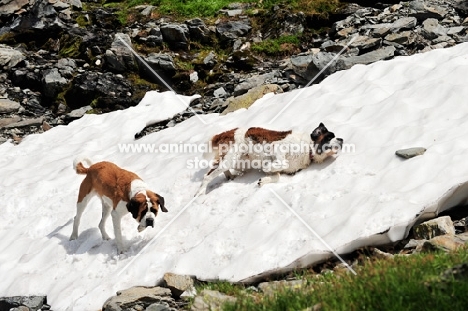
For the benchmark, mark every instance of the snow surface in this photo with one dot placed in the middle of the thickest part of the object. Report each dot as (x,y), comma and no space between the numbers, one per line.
(239,231)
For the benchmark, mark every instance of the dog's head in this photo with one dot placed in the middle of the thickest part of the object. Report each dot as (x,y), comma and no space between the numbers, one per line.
(325,143)
(144,208)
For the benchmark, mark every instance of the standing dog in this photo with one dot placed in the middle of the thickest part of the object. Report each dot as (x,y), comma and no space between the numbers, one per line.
(121,192)
(272,152)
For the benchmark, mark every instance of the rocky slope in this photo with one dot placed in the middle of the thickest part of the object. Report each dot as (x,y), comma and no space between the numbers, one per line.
(62,59)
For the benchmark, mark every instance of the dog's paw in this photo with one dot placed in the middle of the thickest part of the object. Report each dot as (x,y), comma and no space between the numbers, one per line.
(260,182)
(73,237)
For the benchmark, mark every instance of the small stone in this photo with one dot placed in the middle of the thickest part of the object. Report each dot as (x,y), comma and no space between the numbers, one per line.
(410,152)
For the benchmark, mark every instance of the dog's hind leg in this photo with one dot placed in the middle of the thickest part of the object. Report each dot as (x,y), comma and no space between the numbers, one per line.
(106,210)
(231,174)
(83,200)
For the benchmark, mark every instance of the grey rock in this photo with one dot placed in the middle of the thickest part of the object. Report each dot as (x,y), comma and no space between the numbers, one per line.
(78,113)
(404,37)
(193,77)
(136,295)
(26,123)
(210,60)
(176,35)
(367,58)
(255,81)
(178,283)
(308,66)
(423,10)
(232,30)
(33,303)
(210,300)
(8,106)
(233,12)
(120,57)
(53,83)
(10,57)
(7,121)
(404,23)
(431,29)
(364,42)
(434,227)
(8,7)
(76,4)
(447,243)
(220,92)
(410,152)
(381,32)
(60,6)
(147,10)
(199,31)
(163,62)
(455,30)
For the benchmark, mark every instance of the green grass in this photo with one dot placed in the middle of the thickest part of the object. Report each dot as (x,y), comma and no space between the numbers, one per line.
(403,283)
(210,8)
(280,46)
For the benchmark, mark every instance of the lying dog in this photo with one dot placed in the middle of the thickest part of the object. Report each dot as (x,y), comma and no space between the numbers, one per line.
(121,192)
(272,152)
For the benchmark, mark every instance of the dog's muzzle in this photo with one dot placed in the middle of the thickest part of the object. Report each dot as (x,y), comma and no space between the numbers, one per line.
(150,222)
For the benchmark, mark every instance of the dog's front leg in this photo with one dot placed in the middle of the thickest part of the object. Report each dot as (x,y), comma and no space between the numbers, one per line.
(269,179)
(106,210)
(116,218)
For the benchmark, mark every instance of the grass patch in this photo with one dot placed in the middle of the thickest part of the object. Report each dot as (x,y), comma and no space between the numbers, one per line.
(402,283)
(204,8)
(280,46)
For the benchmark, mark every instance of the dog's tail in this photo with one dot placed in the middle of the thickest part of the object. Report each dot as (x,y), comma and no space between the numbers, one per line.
(78,164)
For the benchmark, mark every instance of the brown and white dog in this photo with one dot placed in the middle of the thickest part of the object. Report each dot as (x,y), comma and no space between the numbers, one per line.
(120,192)
(272,152)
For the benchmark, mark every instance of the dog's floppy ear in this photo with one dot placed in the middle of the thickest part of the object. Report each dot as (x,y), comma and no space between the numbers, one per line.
(161,203)
(133,207)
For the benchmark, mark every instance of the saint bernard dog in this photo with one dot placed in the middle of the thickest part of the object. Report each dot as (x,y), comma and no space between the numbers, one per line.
(120,191)
(272,152)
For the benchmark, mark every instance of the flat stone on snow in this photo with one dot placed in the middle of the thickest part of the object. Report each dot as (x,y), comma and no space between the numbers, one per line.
(410,152)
